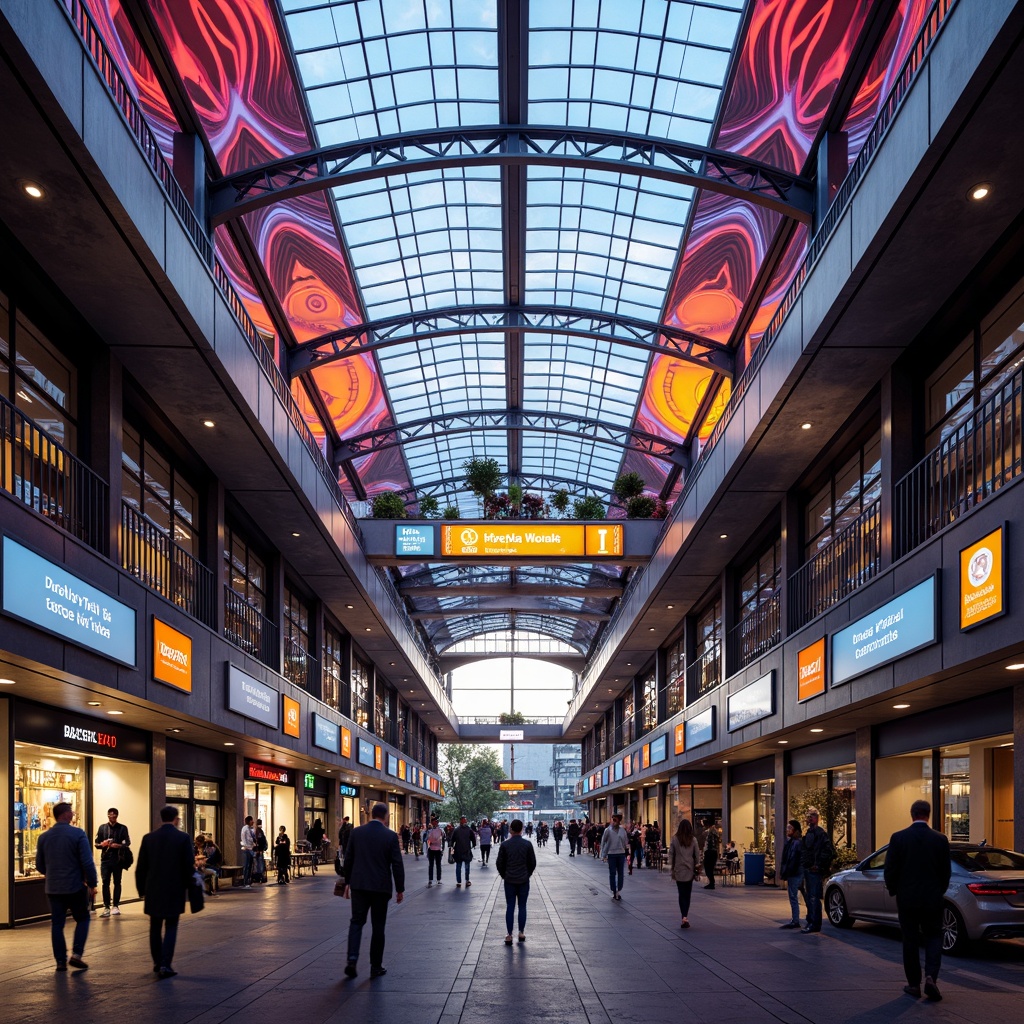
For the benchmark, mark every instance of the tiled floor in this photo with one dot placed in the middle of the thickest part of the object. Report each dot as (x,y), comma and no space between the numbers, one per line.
(276,953)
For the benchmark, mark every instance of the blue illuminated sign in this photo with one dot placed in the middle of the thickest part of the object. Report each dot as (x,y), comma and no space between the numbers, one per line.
(347,790)
(902,625)
(250,697)
(618,769)
(392,765)
(326,734)
(364,754)
(700,729)
(659,749)
(47,595)
(414,540)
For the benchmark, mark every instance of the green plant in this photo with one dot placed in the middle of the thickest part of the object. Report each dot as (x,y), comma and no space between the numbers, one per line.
(640,506)
(590,507)
(451,512)
(513,718)
(629,485)
(560,501)
(388,505)
(430,507)
(835,807)
(515,496)
(482,477)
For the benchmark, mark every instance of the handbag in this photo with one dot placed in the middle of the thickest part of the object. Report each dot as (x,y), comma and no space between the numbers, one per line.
(451,855)
(339,887)
(196,896)
(338,869)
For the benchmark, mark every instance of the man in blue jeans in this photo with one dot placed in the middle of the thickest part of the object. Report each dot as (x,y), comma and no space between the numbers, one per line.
(517,861)
(816,858)
(65,858)
(248,841)
(614,847)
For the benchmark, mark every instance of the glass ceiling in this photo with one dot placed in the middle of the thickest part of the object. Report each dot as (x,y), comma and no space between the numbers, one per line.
(482,237)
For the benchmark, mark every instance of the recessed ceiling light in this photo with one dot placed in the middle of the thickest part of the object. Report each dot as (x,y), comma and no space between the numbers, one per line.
(650,629)
(806,426)
(900,707)
(723,536)
(391,663)
(209,423)
(93,703)
(174,730)
(670,606)
(976,192)
(6,682)
(295,533)
(115,712)
(781,742)
(368,629)
(33,190)
(817,730)
(350,606)
(726,761)
(1015,667)
(229,744)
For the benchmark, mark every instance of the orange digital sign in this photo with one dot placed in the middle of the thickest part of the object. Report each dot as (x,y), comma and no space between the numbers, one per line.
(981,580)
(680,736)
(523,540)
(291,716)
(172,656)
(810,664)
(346,742)
(645,755)
(378,757)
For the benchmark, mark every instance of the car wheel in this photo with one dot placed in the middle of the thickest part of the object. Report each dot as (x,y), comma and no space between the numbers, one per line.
(954,932)
(835,907)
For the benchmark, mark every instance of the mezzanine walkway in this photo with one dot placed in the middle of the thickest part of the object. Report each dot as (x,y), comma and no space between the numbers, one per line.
(275,953)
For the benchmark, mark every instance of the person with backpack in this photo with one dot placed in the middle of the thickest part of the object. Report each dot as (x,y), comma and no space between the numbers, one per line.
(816,854)
(712,845)
(262,844)
(435,847)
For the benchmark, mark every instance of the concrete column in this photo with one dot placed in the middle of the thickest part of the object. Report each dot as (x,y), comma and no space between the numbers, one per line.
(792,555)
(158,777)
(234,807)
(781,805)
(864,837)
(189,169)
(898,452)
(106,437)
(211,550)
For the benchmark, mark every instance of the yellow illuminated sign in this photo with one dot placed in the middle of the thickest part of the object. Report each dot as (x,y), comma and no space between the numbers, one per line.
(172,656)
(981,580)
(515,786)
(526,540)
(810,664)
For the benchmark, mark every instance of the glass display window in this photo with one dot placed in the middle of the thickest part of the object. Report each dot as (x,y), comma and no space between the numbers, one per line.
(42,778)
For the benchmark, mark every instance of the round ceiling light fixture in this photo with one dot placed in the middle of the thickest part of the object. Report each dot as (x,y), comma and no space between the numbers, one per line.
(980,191)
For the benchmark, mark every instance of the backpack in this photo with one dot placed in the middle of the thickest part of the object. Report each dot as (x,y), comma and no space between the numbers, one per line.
(261,841)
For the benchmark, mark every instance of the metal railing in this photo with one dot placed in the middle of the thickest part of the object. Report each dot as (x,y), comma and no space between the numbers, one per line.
(154,559)
(756,633)
(983,455)
(675,694)
(301,669)
(135,120)
(704,674)
(42,474)
(908,75)
(848,562)
(249,629)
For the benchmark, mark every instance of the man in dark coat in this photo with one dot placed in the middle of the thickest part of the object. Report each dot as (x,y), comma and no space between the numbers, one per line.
(163,872)
(462,844)
(816,852)
(373,857)
(917,870)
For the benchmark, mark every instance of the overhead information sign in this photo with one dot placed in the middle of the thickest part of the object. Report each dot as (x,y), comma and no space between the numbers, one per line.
(515,785)
(529,540)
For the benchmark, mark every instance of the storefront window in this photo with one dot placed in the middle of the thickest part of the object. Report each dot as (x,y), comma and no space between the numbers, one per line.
(955,785)
(43,778)
(198,800)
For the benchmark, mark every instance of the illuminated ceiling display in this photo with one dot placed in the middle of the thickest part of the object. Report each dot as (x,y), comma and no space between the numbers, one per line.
(265,80)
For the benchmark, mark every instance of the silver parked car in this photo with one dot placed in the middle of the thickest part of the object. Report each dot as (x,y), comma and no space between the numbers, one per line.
(985,898)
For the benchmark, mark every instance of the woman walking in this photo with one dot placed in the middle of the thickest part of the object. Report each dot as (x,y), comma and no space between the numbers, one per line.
(684,860)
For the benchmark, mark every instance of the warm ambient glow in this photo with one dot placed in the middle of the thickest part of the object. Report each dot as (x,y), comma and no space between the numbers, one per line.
(980,191)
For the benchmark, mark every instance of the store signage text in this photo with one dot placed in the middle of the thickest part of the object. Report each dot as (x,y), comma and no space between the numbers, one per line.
(251,698)
(344,790)
(93,736)
(900,626)
(510,735)
(292,725)
(267,773)
(172,656)
(981,581)
(414,541)
(469,540)
(326,734)
(309,781)
(46,595)
(810,664)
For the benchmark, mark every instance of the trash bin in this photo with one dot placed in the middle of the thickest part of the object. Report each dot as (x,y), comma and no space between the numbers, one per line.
(753,869)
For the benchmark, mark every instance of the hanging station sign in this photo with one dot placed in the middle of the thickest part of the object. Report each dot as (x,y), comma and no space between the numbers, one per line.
(494,539)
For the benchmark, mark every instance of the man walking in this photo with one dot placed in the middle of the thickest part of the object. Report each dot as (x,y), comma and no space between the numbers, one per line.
(573,833)
(614,847)
(111,838)
(463,845)
(435,847)
(712,847)
(248,842)
(374,856)
(64,856)
(917,871)
(558,832)
(163,873)
(816,859)
(517,861)
(344,832)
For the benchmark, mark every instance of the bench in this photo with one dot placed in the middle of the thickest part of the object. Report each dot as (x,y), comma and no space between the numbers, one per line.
(233,872)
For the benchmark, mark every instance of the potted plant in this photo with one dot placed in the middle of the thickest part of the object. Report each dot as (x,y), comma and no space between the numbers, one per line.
(590,507)
(560,501)
(482,477)
(451,512)
(388,505)
(430,508)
